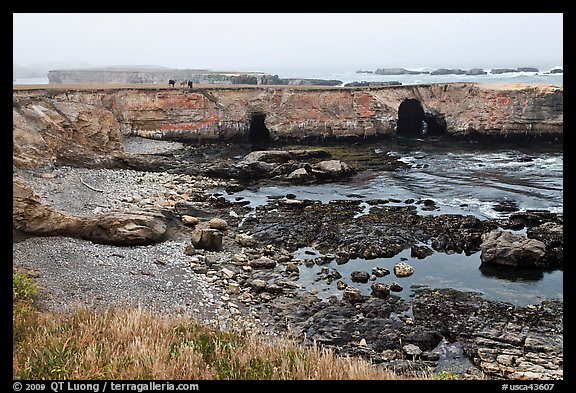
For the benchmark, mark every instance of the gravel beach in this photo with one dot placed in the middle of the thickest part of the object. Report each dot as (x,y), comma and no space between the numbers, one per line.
(159,277)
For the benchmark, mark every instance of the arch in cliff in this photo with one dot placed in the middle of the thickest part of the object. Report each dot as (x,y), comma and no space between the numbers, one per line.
(414,121)
(258,132)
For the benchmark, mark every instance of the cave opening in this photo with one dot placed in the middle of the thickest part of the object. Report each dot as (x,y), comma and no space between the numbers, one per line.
(258,132)
(414,121)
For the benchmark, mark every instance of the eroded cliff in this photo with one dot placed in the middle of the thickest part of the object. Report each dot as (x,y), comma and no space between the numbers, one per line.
(58,121)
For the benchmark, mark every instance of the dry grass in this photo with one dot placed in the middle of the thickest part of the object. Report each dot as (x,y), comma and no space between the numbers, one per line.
(135,344)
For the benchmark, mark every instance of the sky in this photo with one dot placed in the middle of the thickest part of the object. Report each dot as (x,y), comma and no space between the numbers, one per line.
(269,41)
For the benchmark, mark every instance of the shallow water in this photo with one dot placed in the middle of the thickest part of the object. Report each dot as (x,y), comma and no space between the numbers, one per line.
(461,178)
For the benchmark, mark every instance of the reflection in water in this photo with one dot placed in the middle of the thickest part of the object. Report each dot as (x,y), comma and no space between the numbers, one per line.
(513,273)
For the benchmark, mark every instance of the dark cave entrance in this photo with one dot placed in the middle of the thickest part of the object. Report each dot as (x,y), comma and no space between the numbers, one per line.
(413,121)
(258,132)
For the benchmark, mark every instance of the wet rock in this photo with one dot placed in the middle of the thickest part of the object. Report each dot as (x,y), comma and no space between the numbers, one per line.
(505,206)
(420,252)
(402,269)
(395,287)
(341,285)
(207,238)
(552,235)
(352,295)
(501,339)
(342,257)
(507,248)
(380,271)
(359,276)
(380,290)
(291,267)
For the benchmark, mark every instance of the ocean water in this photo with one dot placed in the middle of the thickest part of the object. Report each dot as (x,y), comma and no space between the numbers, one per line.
(461,178)
(349,74)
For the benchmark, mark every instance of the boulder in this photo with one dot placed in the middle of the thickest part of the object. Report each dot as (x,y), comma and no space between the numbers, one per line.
(218,223)
(402,269)
(137,227)
(333,168)
(208,239)
(359,276)
(380,271)
(352,295)
(380,290)
(299,174)
(510,249)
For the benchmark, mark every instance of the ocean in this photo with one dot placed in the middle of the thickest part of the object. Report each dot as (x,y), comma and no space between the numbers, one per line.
(350,74)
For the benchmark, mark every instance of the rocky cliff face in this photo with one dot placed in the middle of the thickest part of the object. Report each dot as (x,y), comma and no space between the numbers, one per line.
(55,122)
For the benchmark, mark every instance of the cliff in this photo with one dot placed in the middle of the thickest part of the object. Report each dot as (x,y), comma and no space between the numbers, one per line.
(54,121)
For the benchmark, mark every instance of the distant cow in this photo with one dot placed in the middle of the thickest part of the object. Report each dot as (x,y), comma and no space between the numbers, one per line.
(183,83)
(189,84)
(171,82)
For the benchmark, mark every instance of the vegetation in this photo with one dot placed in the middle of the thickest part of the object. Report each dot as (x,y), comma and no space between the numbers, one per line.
(136,344)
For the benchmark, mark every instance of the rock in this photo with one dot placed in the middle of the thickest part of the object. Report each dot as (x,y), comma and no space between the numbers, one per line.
(262,263)
(380,290)
(420,252)
(228,273)
(527,69)
(30,215)
(333,168)
(402,269)
(218,223)
(375,84)
(233,288)
(398,71)
(476,71)
(259,285)
(412,350)
(502,70)
(341,285)
(359,276)
(552,235)
(299,174)
(352,295)
(281,156)
(380,271)
(507,248)
(208,239)
(190,220)
(448,71)
(245,240)
(395,287)
(291,267)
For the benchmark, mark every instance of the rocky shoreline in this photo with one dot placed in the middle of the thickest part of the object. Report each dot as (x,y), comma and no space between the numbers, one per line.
(220,262)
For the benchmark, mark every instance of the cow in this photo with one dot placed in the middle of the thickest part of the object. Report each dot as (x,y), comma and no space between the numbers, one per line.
(189,84)
(171,82)
(183,83)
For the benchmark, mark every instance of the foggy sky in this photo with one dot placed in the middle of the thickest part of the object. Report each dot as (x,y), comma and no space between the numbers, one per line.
(264,41)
